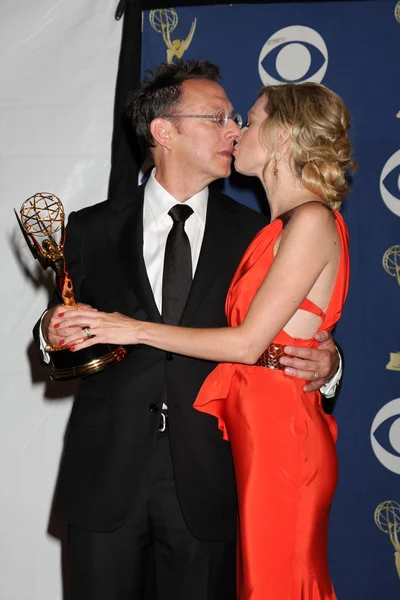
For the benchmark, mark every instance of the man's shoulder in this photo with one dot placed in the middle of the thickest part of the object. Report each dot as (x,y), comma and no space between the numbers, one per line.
(93,209)
(103,210)
(241,211)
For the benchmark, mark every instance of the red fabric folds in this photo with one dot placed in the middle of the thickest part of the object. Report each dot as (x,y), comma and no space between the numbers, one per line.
(283,446)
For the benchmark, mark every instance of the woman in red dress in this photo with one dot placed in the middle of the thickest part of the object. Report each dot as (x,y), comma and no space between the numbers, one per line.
(291,283)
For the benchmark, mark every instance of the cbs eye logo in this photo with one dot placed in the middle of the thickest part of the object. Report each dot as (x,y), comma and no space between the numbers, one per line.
(287,56)
(389,183)
(385,436)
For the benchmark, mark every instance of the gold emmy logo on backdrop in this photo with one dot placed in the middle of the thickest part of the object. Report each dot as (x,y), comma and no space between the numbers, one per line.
(164,21)
(387,519)
(42,221)
(397,12)
(394,362)
(391,264)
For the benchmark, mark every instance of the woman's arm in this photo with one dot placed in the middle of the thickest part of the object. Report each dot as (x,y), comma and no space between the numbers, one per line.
(306,246)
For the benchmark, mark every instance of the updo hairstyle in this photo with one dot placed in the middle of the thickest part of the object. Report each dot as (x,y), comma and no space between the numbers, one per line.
(317,121)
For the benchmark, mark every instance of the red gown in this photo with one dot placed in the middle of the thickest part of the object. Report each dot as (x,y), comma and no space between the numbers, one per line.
(283,446)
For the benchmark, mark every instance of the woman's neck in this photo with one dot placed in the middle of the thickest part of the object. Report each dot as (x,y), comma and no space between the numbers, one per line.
(285,191)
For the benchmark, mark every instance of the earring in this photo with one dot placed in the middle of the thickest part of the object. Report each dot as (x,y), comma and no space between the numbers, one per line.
(275,165)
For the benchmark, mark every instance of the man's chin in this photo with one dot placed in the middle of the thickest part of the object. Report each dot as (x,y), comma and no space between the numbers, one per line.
(225,172)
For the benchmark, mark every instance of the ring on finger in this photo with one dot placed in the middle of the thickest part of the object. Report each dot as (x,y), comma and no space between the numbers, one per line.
(87,332)
(316,375)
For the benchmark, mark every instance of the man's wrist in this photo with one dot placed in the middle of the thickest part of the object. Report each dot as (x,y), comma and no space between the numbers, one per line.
(329,388)
(42,340)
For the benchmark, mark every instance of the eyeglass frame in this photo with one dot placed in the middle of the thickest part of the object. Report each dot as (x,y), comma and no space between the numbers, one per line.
(235,116)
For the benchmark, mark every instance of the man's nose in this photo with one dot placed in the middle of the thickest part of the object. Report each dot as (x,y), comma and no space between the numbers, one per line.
(232,130)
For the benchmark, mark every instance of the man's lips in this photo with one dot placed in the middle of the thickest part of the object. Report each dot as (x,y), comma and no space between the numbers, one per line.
(227,153)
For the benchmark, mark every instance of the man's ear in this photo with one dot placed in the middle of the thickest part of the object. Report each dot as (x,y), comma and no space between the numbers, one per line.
(162,132)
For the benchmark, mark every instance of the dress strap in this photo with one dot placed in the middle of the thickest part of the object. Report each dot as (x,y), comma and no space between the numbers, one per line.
(309,306)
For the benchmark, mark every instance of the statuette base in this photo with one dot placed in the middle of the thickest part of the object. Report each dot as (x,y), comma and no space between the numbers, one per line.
(66,365)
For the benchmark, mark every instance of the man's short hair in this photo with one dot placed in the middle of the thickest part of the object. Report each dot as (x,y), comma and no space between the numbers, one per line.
(161,92)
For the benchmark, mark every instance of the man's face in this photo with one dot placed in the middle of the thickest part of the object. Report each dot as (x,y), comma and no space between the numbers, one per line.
(203,149)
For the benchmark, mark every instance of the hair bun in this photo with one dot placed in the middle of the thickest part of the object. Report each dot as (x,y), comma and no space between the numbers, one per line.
(318,121)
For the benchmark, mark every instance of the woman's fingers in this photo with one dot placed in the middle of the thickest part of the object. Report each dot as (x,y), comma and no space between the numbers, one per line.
(111,328)
(77,318)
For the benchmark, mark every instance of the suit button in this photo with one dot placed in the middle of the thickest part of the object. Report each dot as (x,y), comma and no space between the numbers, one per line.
(153,407)
(169,356)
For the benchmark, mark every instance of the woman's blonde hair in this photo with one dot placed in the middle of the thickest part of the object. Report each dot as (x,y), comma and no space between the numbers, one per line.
(317,121)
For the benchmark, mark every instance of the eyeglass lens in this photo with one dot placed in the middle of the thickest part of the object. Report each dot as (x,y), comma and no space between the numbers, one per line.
(222,119)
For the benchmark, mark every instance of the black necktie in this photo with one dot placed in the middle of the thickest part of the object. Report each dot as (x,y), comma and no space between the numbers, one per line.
(177,277)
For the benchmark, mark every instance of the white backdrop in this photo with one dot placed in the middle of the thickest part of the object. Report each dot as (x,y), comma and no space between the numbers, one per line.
(57,80)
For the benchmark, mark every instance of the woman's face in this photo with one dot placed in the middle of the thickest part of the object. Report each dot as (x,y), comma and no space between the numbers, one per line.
(250,156)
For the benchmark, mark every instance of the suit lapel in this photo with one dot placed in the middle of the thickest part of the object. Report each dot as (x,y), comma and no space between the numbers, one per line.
(215,251)
(126,230)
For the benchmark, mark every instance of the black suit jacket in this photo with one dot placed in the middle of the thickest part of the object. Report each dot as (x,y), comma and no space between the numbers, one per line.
(115,416)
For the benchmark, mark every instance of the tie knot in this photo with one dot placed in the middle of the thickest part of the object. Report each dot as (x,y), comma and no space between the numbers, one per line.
(180,212)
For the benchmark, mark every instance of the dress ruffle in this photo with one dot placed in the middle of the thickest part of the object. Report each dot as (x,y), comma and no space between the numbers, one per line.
(215,391)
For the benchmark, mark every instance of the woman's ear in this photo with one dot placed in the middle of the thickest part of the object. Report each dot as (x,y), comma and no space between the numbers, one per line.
(283,136)
(162,132)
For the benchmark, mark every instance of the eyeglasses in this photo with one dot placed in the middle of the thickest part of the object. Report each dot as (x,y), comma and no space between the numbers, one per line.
(220,118)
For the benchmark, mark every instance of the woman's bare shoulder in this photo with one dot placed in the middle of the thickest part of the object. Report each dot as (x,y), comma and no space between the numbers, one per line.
(312,215)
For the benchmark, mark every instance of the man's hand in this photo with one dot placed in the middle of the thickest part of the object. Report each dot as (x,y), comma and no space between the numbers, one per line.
(51,323)
(316,366)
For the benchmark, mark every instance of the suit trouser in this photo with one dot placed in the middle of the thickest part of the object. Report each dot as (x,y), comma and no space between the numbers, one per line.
(116,565)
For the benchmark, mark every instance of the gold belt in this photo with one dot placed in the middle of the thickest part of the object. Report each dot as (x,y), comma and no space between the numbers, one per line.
(270,358)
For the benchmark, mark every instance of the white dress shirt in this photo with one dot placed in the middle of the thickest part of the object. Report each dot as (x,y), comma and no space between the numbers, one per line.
(156,226)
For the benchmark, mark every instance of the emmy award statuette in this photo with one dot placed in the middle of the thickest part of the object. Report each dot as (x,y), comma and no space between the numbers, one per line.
(387,519)
(394,362)
(41,217)
(164,21)
(391,264)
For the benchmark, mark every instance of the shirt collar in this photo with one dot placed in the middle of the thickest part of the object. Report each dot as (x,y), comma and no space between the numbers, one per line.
(160,201)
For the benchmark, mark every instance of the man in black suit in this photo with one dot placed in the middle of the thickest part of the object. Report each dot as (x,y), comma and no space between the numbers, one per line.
(145,476)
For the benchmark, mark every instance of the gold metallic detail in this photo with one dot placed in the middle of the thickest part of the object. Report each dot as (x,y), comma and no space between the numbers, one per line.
(41,221)
(164,21)
(394,362)
(42,216)
(387,519)
(50,348)
(270,358)
(397,12)
(89,368)
(391,262)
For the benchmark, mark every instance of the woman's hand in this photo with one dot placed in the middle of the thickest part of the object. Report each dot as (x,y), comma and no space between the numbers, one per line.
(51,323)
(97,328)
